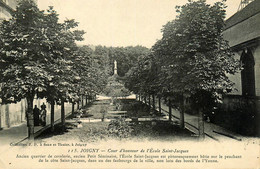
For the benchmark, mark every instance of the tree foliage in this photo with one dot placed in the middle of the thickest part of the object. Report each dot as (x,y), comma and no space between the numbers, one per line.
(191,60)
(39,58)
(126,57)
(36,53)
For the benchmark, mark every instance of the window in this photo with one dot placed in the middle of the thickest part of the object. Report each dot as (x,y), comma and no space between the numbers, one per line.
(248,73)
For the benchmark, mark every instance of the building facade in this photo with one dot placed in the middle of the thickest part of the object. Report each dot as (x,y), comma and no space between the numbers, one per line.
(242,31)
(6,8)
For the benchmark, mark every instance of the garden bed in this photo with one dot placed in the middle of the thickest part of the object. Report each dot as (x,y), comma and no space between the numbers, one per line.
(100,131)
(118,128)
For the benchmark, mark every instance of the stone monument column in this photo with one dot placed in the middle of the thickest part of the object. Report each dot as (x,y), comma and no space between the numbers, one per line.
(115,67)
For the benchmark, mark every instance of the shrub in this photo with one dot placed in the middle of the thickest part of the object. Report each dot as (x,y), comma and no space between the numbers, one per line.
(119,128)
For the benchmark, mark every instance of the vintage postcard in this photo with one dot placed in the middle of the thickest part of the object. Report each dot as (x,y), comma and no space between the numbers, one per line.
(160,84)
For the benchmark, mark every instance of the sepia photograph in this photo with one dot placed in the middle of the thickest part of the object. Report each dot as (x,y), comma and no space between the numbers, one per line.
(160,84)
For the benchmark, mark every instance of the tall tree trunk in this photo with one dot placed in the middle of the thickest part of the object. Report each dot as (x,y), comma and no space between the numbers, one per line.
(82,101)
(52,115)
(159,102)
(182,111)
(73,108)
(170,109)
(30,119)
(86,100)
(21,112)
(182,122)
(90,99)
(77,104)
(154,103)
(149,101)
(7,116)
(62,115)
(145,101)
(201,124)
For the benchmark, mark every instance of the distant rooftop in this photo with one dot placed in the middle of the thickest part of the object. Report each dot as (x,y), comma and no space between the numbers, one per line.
(250,10)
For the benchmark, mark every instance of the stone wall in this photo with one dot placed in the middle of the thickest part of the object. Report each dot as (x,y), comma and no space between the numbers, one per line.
(12,114)
(15,113)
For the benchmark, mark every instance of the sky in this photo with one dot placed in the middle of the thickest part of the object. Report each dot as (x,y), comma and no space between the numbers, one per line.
(121,22)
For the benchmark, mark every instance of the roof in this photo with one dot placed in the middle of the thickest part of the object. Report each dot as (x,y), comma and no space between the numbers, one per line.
(250,10)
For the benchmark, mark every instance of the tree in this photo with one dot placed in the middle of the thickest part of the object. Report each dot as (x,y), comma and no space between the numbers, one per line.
(195,56)
(142,79)
(23,60)
(61,87)
(126,57)
(33,51)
